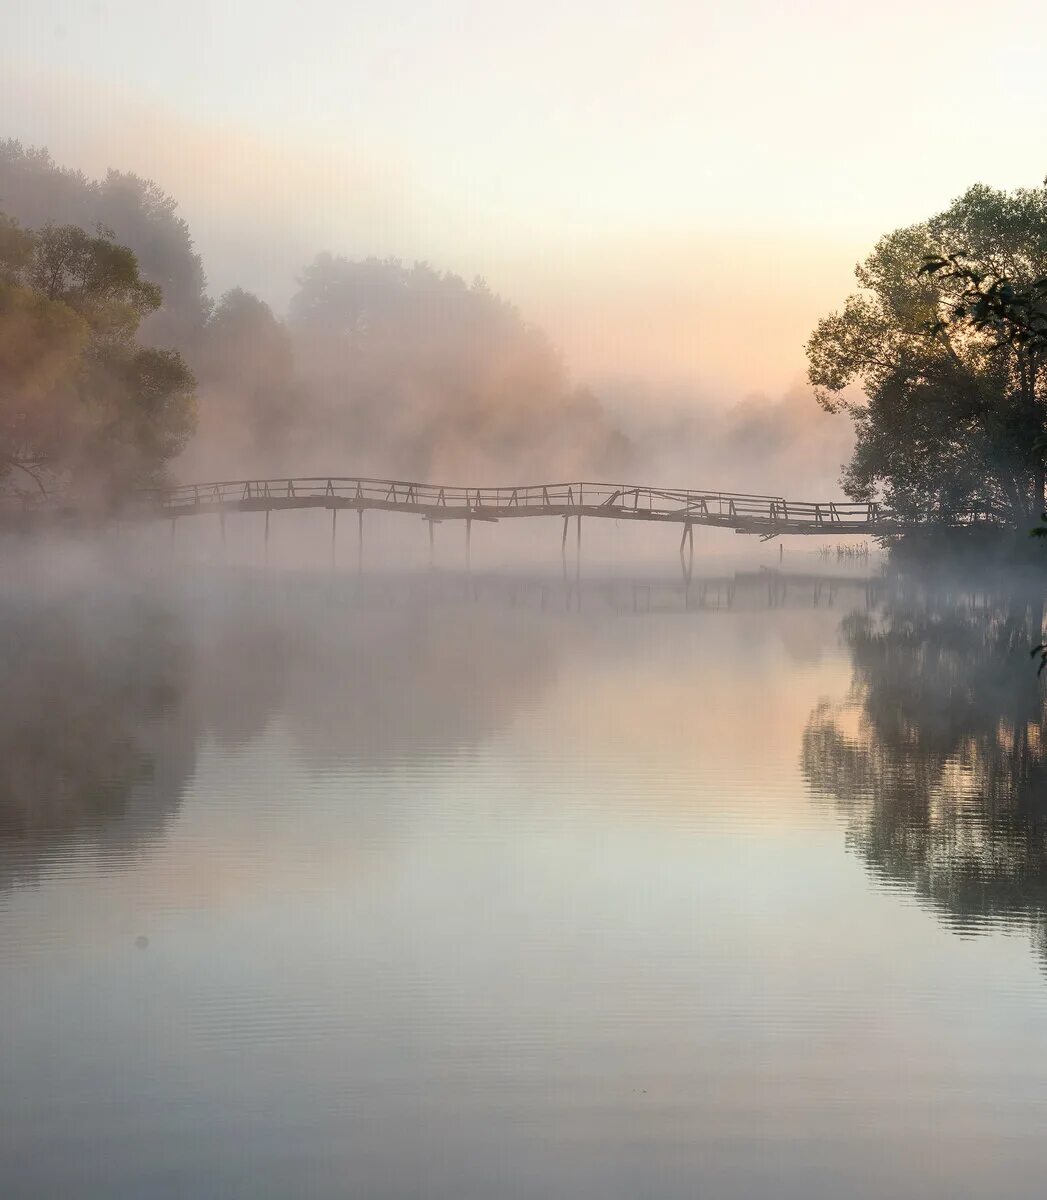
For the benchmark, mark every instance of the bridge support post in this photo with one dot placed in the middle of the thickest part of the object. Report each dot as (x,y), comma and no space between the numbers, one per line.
(221,523)
(578,552)
(468,544)
(334,530)
(563,540)
(267,537)
(687,560)
(432,543)
(360,542)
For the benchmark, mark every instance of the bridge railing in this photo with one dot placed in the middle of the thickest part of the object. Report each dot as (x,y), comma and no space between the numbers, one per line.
(738,510)
(406,494)
(621,499)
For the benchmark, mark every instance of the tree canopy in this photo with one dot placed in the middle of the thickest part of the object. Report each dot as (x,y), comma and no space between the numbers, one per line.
(80,399)
(35,191)
(949,417)
(379,367)
(415,370)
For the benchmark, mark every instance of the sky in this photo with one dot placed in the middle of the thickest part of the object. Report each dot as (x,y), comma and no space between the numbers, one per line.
(677,192)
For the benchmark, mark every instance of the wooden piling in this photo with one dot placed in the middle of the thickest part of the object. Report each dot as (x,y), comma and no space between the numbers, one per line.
(578,561)
(360,542)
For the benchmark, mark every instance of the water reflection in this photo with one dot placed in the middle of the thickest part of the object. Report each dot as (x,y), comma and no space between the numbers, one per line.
(938,757)
(107,700)
(91,751)
(413,890)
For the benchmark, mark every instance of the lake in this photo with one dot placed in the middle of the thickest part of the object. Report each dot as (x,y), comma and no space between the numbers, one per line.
(432,886)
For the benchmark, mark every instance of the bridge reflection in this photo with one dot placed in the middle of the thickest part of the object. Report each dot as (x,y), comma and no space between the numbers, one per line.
(690,592)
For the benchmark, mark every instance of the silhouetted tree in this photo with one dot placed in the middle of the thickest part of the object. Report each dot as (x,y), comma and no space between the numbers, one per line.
(952,416)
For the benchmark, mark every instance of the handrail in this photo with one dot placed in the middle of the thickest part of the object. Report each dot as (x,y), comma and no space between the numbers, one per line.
(768,514)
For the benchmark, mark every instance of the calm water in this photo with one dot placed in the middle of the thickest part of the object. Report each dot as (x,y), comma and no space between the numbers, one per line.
(414,892)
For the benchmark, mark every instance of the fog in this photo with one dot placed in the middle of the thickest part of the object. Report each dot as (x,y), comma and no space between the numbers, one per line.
(404,369)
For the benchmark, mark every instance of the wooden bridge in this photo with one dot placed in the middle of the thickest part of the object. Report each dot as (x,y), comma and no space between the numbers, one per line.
(766,516)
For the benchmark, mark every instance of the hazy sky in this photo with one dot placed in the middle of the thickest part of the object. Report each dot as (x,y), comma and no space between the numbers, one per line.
(675,190)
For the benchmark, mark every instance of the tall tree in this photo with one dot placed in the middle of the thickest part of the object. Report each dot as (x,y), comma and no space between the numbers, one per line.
(36,191)
(250,396)
(80,399)
(948,417)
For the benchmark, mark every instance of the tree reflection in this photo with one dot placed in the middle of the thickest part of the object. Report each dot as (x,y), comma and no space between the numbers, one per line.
(938,755)
(108,699)
(89,749)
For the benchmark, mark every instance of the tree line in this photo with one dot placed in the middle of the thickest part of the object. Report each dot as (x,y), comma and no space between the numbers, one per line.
(120,368)
(117,367)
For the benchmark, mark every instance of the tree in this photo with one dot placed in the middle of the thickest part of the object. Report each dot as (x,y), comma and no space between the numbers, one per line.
(249,393)
(992,303)
(411,370)
(79,397)
(953,415)
(36,191)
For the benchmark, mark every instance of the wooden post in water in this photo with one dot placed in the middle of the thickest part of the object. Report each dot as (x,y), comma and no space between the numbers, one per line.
(578,557)
(687,560)
(432,542)
(267,537)
(334,530)
(468,547)
(360,542)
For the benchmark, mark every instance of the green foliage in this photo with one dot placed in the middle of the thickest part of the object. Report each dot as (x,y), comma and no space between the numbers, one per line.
(80,399)
(950,415)
(35,190)
(992,303)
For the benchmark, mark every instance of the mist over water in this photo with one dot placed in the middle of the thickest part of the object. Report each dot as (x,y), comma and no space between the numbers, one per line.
(423,882)
(372,830)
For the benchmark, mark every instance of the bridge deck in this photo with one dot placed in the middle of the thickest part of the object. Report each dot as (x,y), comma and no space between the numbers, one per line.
(745,513)
(762,515)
